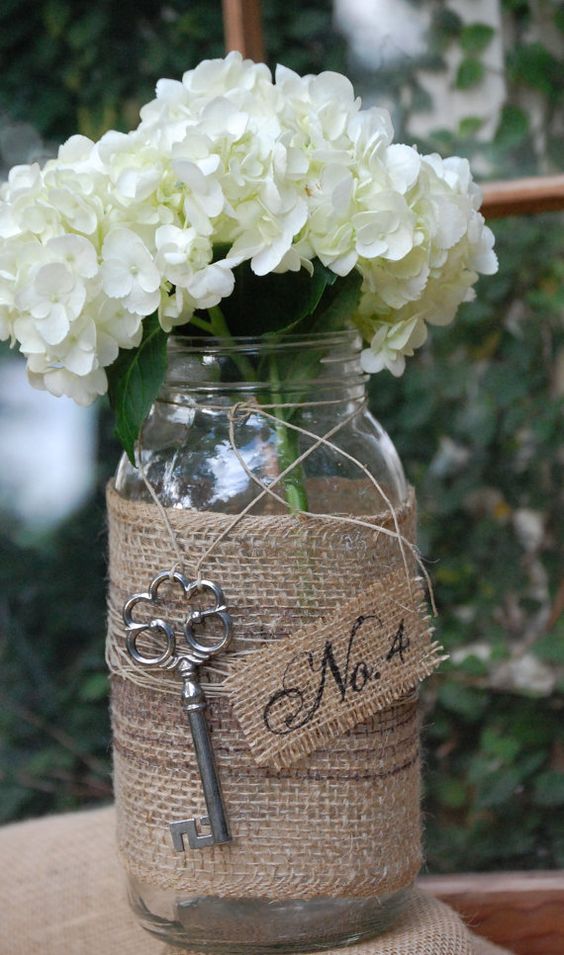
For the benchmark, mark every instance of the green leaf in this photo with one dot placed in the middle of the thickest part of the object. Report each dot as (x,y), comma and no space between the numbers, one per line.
(530,765)
(273,302)
(473,666)
(470,73)
(469,126)
(87,29)
(447,22)
(475,37)
(338,304)
(463,700)
(549,789)
(443,139)
(336,308)
(94,687)
(421,99)
(134,380)
(55,17)
(537,67)
(307,24)
(551,648)
(452,792)
(519,7)
(500,745)
(498,788)
(513,127)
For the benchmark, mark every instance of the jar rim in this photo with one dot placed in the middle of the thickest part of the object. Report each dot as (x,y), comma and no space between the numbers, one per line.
(269,342)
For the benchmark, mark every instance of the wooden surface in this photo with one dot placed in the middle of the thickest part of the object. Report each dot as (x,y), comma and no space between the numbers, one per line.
(243,28)
(523,911)
(523,197)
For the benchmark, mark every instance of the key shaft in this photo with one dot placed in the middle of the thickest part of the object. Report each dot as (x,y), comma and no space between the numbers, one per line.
(195,705)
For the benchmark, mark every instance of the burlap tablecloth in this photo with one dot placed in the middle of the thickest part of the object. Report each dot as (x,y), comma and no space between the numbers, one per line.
(62,893)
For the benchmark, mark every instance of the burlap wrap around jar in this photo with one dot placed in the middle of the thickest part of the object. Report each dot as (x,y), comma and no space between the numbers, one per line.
(346,819)
(335,835)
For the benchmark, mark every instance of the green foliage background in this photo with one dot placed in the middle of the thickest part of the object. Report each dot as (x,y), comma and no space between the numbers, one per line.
(477,420)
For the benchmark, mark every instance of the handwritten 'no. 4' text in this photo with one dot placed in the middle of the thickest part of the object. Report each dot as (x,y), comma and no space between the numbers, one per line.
(308,676)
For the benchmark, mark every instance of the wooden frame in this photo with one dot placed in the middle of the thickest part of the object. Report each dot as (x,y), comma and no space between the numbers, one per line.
(243,28)
(519,197)
(521,910)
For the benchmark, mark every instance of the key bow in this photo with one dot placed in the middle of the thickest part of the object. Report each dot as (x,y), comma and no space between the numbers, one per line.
(196,652)
(200,652)
(156,625)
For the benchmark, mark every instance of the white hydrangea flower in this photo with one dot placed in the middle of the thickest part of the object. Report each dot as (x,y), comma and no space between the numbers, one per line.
(116,328)
(391,343)
(133,170)
(129,273)
(53,297)
(230,166)
(482,241)
(73,198)
(203,196)
(59,381)
(271,222)
(76,252)
(211,284)
(180,253)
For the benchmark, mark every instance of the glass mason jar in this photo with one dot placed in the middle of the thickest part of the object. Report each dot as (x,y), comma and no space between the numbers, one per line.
(307,386)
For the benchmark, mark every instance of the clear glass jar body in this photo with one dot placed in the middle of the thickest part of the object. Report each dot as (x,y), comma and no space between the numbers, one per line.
(202,453)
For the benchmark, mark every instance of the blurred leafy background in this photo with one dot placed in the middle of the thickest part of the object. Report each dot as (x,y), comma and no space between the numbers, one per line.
(477,418)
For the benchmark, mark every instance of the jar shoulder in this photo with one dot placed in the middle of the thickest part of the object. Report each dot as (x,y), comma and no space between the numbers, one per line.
(193,458)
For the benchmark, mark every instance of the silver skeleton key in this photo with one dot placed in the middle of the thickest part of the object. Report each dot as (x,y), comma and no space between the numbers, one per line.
(186,662)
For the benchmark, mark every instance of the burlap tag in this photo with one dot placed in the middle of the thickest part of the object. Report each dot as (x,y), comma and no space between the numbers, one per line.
(345,820)
(325,679)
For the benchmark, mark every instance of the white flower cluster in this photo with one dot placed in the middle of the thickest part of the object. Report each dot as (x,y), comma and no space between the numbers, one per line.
(277,173)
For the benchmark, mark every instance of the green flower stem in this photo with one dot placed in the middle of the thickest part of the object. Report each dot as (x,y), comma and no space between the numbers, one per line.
(219,328)
(288,439)
(218,324)
(288,448)
(202,324)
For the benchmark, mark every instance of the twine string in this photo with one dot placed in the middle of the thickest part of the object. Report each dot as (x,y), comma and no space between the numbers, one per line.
(179,563)
(243,409)
(318,442)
